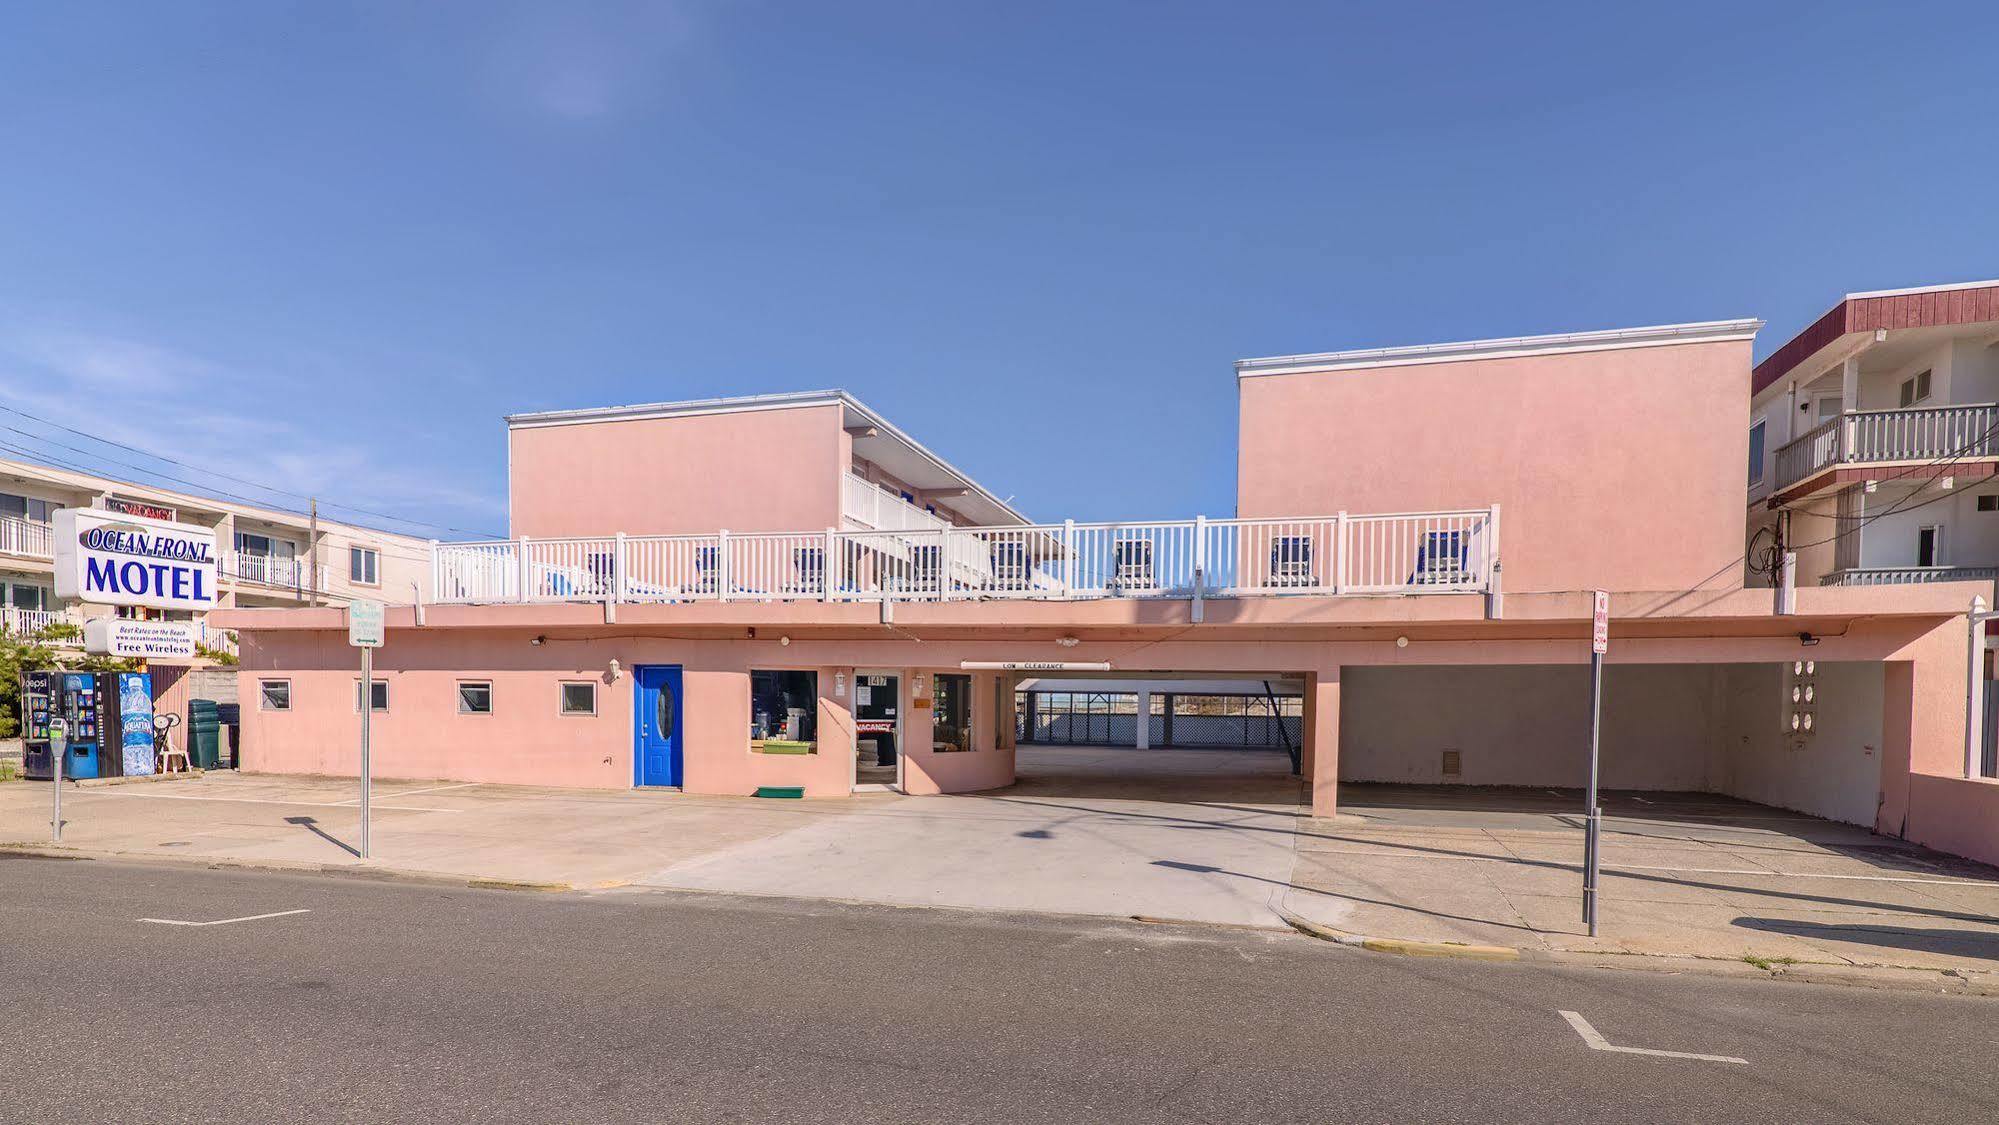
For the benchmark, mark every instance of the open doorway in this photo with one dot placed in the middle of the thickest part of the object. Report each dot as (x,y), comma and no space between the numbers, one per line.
(877,730)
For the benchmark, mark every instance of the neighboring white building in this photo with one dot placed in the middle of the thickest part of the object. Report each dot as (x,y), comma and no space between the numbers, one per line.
(268,557)
(1874,440)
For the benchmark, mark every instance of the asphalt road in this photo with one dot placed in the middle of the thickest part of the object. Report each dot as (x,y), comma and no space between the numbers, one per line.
(397,1002)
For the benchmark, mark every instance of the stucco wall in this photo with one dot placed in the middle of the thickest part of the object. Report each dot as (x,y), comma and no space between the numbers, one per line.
(1835,773)
(527,741)
(1620,469)
(1529,725)
(759,470)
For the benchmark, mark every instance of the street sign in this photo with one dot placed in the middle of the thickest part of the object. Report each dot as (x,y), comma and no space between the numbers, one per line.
(58,749)
(1600,622)
(364,624)
(150,640)
(1592,815)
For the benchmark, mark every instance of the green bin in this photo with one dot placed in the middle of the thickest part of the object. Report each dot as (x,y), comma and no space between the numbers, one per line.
(204,734)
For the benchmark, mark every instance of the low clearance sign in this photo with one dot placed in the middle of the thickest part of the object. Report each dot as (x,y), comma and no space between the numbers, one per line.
(113,558)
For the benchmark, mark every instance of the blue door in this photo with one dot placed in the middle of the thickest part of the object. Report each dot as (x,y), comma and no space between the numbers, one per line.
(657,729)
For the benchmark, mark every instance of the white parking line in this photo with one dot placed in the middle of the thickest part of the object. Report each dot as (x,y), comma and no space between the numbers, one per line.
(226,921)
(414,792)
(268,801)
(1598,1043)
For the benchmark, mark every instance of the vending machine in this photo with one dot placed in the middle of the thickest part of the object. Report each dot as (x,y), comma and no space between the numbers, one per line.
(128,740)
(38,705)
(80,703)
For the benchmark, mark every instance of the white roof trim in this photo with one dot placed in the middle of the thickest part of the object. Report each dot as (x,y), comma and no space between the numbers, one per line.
(746,403)
(1922,289)
(1710,331)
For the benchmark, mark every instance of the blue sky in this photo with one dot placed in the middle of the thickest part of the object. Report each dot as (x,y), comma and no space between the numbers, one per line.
(325,247)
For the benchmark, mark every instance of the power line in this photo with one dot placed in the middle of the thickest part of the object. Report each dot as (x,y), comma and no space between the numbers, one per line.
(215,473)
(1945,462)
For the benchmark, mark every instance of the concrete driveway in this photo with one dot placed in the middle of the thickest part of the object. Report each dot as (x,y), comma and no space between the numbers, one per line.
(1197,835)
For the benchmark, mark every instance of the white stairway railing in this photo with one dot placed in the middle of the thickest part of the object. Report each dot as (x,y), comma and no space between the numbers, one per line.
(1405,553)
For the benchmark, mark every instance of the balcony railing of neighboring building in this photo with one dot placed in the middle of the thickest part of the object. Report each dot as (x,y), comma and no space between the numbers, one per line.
(265,570)
(1407,553)
(1898,575)
(1926,433)
(877,509)
(27,538)
(29,622)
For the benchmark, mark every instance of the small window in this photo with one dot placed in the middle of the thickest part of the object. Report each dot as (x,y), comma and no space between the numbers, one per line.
(579,698)
(1916,388)
(274,695)
(1988,503)
(475,697)
(380,696)
(364,566)
(1757,437)
(784,711)
(951,728)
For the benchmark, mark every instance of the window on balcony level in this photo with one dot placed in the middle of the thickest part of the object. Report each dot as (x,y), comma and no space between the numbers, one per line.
(364,566)
(22,595)
(1915,388)
(1756,441)
(26,507)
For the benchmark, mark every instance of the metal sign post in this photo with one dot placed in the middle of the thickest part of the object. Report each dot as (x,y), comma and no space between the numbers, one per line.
(1593,816)
(364,631)
(58,750)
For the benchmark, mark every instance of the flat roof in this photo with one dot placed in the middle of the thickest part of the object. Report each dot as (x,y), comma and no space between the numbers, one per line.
(1707,331)
(791,400)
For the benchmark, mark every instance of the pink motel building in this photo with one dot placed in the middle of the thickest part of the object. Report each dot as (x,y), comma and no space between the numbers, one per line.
(788,591)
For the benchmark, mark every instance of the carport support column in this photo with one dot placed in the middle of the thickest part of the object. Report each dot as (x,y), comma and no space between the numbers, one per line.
(1320,759)
(1144,738)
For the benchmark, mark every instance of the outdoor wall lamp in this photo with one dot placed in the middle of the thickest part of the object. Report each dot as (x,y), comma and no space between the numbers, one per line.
(537,640)
(615,669)
(1807,640)
(1402,642)
(1068,642)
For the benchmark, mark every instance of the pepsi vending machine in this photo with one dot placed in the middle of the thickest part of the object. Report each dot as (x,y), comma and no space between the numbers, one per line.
(38,706)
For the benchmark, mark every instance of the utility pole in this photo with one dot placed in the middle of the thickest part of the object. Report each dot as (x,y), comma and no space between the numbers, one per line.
(312,556)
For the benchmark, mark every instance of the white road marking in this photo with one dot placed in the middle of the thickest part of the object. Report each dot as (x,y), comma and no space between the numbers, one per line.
(414,792)
(268,801)
(1640,800)
(1598,1043)
(226,921)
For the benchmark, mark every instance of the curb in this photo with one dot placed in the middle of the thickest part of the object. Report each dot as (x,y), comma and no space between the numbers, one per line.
(284,867)
(1956,982)
(1403,946)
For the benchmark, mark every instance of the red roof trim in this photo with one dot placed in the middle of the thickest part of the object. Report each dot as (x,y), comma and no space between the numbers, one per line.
(1865,314)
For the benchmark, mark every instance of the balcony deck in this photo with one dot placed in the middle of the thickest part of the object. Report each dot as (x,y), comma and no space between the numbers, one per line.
(1916,435)
(1451,552)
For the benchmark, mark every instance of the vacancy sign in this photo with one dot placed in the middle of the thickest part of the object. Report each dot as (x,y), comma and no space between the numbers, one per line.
(1600,622)
(364,624)
(112,558)
(147,640)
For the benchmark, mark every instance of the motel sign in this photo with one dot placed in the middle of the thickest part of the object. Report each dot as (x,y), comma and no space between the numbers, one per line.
(113,558)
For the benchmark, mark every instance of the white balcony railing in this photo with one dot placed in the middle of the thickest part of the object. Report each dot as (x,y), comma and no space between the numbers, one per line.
(28,622)
(27,538)
(1409,553)
(1899,575)
(1890,436)
(265,570)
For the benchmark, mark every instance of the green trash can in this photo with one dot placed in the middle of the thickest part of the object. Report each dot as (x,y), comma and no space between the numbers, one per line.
(204,734)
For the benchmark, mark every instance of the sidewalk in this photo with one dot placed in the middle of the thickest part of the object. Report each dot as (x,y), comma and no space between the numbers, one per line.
(1690,876)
